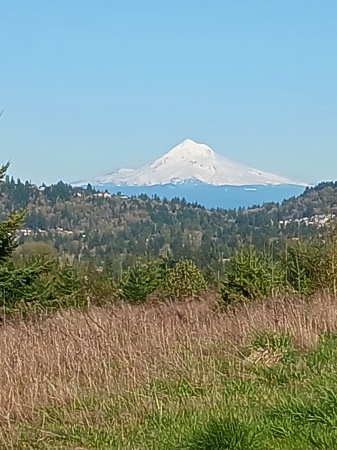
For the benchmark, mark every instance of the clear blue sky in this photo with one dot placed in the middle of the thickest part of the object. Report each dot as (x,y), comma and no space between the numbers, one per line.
(91,86)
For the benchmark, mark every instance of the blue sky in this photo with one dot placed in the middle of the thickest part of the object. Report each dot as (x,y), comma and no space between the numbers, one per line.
(91,86)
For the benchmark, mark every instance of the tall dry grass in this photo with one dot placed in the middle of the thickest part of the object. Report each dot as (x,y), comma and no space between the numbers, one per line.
(112,350)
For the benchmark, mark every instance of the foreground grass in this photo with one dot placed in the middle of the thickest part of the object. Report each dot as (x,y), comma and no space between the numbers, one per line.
(173,377)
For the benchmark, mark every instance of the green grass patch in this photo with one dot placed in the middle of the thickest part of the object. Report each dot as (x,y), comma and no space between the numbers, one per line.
(259,401)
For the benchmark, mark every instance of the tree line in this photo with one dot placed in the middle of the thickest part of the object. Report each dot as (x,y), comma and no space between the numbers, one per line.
(245,255)
(115,232)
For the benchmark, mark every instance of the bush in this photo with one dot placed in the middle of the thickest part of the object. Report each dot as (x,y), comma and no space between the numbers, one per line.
(300,263)
(100,288)
(22,283)
(139,282)
(304,267)
(252,275)
(185,280)
(41,281)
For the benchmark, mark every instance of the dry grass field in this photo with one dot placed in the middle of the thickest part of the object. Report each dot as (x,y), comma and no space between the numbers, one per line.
(157,376)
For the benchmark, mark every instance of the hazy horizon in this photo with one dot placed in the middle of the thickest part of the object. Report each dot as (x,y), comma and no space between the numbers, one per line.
(89,88)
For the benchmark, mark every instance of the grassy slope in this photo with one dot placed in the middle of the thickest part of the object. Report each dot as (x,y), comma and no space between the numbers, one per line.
(163,377)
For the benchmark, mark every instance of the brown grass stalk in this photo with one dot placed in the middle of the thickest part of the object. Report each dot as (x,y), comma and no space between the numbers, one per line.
(112,350)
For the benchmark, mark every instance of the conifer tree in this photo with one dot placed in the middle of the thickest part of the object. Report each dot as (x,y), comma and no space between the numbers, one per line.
(8,227)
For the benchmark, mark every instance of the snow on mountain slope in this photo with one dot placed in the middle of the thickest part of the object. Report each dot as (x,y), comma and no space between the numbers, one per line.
(192,162)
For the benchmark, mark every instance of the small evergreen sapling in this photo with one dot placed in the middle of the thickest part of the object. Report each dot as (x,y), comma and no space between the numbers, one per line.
(185,280)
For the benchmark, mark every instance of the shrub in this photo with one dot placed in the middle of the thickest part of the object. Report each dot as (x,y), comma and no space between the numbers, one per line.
(100,288)
(301,267)
(22,283)
(252,275)
(304,267)
(41,281)
(139,282)
(185,280)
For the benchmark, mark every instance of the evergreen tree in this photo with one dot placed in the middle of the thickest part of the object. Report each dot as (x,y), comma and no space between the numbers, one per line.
(8,227)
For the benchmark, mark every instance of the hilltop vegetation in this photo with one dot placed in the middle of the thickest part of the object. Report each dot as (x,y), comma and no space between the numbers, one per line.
(79,247)
(116,231)
(76,245)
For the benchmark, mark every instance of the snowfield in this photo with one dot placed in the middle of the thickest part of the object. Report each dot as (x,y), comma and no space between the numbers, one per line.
(192,162)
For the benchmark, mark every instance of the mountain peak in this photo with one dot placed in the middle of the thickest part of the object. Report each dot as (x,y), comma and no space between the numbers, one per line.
(188,142)
(190,148)
(190,161)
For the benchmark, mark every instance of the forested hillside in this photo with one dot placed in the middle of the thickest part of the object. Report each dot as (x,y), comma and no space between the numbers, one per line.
(117,230)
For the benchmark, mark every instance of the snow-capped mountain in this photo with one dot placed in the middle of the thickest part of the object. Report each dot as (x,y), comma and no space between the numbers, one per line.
(194,171)
(192,162)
